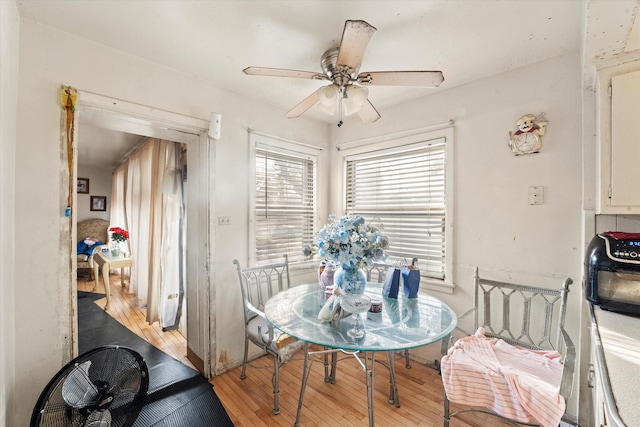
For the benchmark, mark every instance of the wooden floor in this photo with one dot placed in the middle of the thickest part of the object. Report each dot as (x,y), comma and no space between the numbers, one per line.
(249,402)
(125,310)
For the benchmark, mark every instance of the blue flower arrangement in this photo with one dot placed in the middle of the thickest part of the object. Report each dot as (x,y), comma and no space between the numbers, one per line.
(349,241)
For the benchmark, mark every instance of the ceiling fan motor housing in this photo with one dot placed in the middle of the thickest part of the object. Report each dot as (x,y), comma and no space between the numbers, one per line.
(339,77)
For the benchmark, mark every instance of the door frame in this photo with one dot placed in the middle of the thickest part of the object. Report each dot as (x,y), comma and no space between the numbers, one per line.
(123,116)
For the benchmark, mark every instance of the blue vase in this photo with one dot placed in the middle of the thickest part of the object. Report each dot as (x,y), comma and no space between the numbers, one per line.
(349,279)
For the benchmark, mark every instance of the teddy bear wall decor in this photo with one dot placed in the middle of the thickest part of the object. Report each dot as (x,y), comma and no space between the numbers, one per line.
(528,138)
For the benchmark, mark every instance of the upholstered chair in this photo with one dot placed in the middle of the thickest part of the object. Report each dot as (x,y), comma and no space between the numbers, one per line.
(96,229)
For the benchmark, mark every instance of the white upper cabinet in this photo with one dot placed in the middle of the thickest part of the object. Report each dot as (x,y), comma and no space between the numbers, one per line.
(619,147)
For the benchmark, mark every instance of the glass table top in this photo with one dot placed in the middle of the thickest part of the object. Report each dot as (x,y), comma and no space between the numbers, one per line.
(403,323)
(107,255)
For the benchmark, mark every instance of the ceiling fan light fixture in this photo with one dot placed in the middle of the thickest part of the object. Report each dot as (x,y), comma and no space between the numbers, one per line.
(328,95)
(354,98)
(357,95)
(349,107)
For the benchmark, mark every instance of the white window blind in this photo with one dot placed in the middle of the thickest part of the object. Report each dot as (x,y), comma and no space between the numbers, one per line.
(285,204)
(405,191)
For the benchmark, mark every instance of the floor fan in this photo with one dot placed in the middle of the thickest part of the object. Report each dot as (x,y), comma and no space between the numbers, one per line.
(104,387)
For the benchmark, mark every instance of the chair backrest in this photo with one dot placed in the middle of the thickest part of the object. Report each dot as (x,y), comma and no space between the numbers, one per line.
(260,283)
(377,272)
(527,316)
(96,228)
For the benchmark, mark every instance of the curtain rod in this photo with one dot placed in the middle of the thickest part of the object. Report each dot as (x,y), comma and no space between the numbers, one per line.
(369,140)
(290,141)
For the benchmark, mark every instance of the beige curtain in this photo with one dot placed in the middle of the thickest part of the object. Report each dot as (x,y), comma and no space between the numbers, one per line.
(147,201)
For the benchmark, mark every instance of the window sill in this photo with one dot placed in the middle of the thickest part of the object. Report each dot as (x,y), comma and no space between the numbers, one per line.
(438,286)
(428,284)
(305,265)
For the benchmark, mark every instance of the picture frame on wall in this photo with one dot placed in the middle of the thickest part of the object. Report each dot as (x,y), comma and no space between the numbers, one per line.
(98,203)
(83,186)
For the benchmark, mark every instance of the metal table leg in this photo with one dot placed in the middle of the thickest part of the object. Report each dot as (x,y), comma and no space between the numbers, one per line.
(308,360)
(334,364)
(330,377)
(367,367)
(369,377)
(327,378)
(393,388)
(305,376)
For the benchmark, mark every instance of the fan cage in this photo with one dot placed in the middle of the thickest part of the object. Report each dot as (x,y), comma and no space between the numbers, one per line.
(116,380)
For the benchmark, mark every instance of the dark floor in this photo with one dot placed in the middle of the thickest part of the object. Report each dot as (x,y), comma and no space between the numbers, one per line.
(178,395)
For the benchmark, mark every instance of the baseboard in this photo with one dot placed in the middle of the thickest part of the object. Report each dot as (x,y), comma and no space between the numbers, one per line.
(197,361)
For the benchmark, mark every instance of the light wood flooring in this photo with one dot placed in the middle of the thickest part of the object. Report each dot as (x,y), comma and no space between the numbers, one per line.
(124,309)
(249,402)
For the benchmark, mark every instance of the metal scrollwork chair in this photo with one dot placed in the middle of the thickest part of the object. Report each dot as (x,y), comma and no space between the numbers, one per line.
(258,284)
(520,370)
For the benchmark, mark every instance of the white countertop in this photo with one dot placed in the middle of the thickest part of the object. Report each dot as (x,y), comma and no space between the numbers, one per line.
(620,335)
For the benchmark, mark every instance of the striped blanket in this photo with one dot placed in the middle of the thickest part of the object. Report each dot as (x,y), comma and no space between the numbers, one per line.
(514,382)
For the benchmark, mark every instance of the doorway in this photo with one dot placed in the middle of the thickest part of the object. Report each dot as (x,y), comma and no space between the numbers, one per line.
(123,118)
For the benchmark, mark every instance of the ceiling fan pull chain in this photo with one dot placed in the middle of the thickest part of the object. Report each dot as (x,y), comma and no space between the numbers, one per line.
(340,99)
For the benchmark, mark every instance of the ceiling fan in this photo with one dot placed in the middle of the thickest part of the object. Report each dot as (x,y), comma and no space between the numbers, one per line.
(348,89)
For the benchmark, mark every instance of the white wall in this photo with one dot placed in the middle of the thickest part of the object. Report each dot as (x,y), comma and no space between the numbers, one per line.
(9,35)
(99,185)
(49,58)
(494,226)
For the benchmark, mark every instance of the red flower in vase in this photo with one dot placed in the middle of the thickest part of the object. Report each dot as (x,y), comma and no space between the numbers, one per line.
(118,234)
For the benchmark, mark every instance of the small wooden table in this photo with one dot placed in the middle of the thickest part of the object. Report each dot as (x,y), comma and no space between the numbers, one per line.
(107,262)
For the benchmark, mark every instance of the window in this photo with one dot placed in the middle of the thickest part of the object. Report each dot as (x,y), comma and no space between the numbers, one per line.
(284,201)
(405,187)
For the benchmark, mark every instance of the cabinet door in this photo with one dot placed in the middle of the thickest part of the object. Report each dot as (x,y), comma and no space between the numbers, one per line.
(625,140)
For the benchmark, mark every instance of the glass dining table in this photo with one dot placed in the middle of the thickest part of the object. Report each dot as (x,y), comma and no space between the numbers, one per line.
(401,324)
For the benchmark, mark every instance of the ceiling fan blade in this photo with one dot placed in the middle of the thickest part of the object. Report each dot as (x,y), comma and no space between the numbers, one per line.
(304,105)
(355,39)
(402,78)
(368,112)
(280,72)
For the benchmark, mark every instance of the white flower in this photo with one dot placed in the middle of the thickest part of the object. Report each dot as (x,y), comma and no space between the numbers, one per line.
(349,240)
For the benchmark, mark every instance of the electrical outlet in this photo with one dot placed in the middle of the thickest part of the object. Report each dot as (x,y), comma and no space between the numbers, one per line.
(536,195)
(224,220)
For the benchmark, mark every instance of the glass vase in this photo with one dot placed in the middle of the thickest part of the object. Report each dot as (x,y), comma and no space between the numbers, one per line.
(350,280)
(115,248)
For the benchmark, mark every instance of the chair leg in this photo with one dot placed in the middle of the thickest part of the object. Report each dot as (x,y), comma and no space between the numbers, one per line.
(276,385)
(243,374)
(446,416)
(407,361)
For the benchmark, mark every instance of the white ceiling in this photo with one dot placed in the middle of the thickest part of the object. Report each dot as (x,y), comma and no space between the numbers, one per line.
(214,40)
(104,148)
